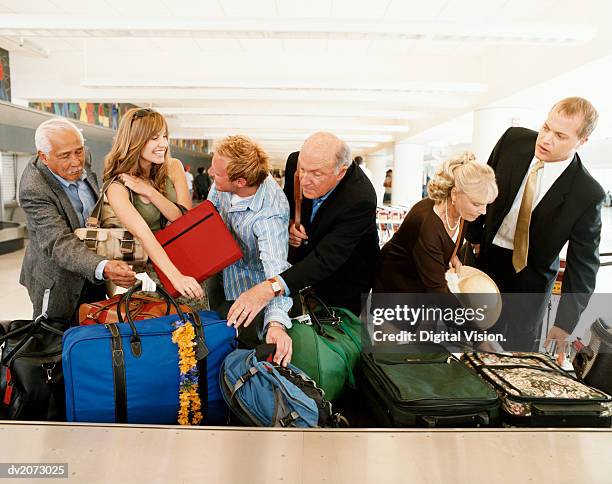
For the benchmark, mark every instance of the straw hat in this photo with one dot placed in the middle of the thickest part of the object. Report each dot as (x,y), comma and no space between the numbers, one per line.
(475,289)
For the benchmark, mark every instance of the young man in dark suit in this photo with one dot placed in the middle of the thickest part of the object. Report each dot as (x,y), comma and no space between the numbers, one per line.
(335,248)
(546,199)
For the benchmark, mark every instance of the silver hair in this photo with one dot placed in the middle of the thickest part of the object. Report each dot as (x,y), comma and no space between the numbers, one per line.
(42,137)
(343,156)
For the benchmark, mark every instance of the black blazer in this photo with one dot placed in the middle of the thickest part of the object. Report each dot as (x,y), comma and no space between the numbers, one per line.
(569,212)
(339,260)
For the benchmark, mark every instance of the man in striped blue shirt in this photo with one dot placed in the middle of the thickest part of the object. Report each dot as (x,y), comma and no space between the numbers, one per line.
(256,212)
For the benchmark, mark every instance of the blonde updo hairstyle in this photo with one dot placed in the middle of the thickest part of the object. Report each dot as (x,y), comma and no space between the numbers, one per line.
(467,175)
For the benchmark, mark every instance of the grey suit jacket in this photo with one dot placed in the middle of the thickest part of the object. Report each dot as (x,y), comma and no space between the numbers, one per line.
(55,258)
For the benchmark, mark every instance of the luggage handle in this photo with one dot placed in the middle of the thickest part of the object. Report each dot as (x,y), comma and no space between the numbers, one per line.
(481,418)
(307,295)
(29,330)
(138,307)
(135,343)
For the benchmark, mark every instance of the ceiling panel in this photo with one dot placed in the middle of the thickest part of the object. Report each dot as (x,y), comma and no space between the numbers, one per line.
(348,47)
(411,48)
(405,10)
(195,8)
(38,7)
(220,46)
(301,46)
(138,44)
(361,9)
(299,9)
(58,45)
(472,9)
(249,8)
(80,7)
(139,8)
(262,47)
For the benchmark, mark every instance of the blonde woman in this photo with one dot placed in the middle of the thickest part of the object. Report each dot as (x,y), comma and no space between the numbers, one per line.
(140,161)
(418,256)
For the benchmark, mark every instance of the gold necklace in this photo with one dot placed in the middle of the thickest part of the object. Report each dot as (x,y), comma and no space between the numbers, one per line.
(450,229)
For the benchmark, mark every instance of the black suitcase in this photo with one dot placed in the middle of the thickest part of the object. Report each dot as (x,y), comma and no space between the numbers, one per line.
(535,392)
(425,390)
(593,363)
(31,378)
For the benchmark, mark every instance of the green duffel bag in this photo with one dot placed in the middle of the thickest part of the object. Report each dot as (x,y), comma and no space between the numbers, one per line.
(327,345)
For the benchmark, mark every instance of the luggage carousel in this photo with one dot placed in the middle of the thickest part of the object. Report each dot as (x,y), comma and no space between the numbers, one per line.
(11,236)
(130,453)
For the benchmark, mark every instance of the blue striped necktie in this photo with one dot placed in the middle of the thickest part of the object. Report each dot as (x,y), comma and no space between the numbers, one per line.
(77,202)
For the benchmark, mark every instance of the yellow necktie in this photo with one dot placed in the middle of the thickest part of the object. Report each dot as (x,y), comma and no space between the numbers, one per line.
(521,235)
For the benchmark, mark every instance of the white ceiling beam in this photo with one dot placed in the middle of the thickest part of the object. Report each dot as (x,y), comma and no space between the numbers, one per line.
(76,26)
(340,111)
(430,100)
(429,87)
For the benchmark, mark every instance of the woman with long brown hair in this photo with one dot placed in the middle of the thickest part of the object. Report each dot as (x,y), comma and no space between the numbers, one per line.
(140,161)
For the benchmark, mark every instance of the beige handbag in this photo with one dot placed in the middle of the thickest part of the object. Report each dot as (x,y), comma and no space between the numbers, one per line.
(105,236)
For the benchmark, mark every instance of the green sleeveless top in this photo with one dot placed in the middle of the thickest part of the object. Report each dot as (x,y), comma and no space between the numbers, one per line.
(150,212)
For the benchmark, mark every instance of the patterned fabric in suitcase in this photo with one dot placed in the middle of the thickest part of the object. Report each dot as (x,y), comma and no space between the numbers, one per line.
(535,391)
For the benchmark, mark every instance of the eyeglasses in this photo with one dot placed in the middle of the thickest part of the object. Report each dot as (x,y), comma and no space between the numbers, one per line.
(141,113)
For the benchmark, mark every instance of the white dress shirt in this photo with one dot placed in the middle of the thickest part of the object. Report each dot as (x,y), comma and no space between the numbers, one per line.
(546,177)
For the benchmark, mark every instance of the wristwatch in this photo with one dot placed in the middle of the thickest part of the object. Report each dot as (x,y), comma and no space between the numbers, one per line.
(274,324)
(276,286)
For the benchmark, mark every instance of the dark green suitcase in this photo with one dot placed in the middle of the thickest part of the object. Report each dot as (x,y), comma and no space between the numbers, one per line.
(426,390)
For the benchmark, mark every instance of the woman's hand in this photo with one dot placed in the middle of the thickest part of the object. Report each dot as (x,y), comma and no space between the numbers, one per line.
(187,286)
(456,264)
(138,185)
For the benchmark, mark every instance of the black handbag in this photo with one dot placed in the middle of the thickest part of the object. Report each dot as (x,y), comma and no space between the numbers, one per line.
(31,379)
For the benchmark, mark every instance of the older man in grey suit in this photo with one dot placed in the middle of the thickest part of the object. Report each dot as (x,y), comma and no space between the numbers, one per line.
(58,196)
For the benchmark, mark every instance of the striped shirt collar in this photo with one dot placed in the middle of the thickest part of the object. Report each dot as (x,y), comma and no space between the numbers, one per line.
(255,203)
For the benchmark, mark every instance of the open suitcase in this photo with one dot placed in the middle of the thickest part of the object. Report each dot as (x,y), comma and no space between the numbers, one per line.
(535,392)
(426,389)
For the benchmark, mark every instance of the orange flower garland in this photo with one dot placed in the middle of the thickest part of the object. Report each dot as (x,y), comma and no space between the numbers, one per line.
(189,399)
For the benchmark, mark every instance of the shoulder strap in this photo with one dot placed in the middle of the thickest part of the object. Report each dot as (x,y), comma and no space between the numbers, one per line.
(458,243)
(297,196)
(94,219)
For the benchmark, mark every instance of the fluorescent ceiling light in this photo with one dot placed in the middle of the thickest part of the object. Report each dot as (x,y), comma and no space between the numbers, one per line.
(299,124)
(278,136)
(292,28)
(284,145)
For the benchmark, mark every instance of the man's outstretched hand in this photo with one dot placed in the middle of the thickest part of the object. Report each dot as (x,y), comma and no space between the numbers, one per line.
(249,304)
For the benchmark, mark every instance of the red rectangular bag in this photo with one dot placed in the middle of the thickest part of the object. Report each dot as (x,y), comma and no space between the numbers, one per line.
(198,244)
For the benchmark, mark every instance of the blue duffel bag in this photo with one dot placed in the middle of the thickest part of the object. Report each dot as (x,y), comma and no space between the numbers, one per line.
(129,372)
(262,393)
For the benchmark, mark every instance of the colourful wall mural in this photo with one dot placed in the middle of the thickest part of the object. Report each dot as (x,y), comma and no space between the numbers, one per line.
(5,76)
(108,116)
